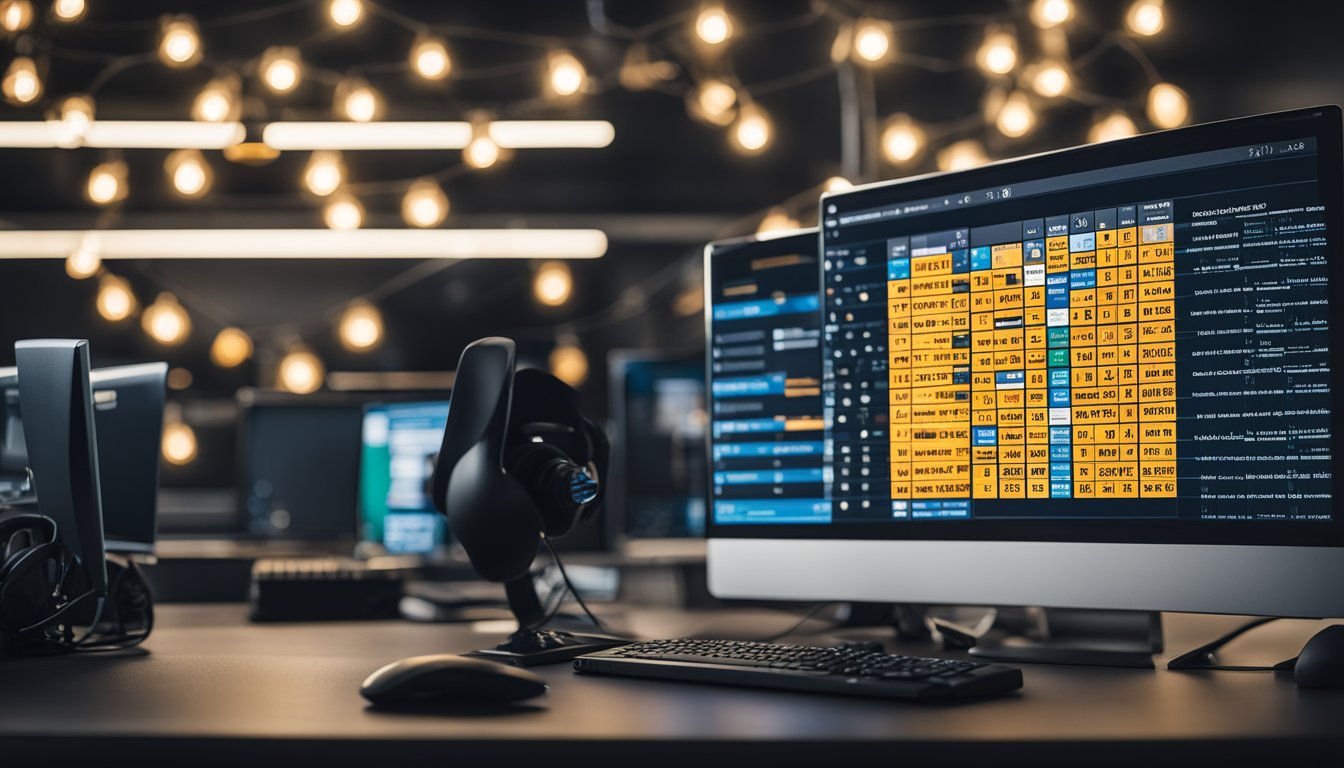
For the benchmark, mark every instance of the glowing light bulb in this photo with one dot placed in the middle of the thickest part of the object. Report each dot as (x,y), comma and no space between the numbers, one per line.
(231,348)
(776,220)
(568,363)
(75,113)
(361,327)
(15,15)
(1016,118)
(962,155)
(217,101)
(84,261)
(837,184)
(553,283)
(179,41)
(901,139)
(179,443)
(1051,79)
(301,371)
(281,69)
(430,59)
(69,11)
(357,100)
(752,132)
(1116,125)
(345,13)
(1168,106)
(715,99)
(343,212)
(482,151)
(166,321)
(107,183)
(190,174)
(324,173)
(424,205)
(115,301)
(21,84)
(998,53)
(565,73)
(1051,13)
(872,41)
(1146,17)
(713,25)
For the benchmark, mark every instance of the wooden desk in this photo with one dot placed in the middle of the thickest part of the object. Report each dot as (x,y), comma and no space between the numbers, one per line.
(212,689)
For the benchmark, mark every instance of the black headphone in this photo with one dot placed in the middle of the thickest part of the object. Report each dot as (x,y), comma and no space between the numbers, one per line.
(518,462)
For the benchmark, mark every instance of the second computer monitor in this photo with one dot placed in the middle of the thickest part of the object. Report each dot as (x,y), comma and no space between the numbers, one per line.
(400,442)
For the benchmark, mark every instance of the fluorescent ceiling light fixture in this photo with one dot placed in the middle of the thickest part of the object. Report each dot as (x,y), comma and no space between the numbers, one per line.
(509,134)
(123,134)
(311,243)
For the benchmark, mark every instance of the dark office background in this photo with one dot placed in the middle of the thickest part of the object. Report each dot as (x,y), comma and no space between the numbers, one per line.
(664,187)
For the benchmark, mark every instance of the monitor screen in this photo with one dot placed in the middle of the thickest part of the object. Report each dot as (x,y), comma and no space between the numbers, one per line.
(128,411)
(400,443)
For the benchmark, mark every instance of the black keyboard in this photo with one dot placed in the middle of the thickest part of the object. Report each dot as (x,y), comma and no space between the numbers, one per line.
(857,670)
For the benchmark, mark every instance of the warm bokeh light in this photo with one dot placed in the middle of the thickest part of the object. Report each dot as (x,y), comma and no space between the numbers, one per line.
(430,59)
(837,184)
(324,173)
(553,283)
(115,300)
(75,113)
(715,100)
(166,321)
(179,443)
(343,212)
(998,53)
(179,41)
(902,139)
(1050,79)
(1016,117)
(85,260)
(345,13)
(189,173)
(69,11)
(357,100)
(301,371)
(568,363)
(281,69)
(15,15)
(962,155)
(776,220)
(1051,13)
(231,348)
(21,84)
(424,205)
(565,74)
(753,132)
(872,41)
(107,183)
(217,102)
(1146,17)
(1115,125)
(482,151)
(361,327)
(713,25)
(1168,106)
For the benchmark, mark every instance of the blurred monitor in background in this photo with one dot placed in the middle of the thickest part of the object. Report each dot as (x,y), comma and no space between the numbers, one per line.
(400,442)
(128,406)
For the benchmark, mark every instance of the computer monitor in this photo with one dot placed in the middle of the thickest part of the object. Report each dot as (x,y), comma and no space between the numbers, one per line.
(656,495)
(400,442)
(764,364)
(128,411)
(1099,377)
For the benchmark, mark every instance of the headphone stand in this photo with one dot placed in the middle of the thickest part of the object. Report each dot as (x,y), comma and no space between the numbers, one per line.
(531,646)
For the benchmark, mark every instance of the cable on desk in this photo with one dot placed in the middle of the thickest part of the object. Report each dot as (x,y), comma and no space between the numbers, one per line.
(570,585)
(806,618)
(1203,657)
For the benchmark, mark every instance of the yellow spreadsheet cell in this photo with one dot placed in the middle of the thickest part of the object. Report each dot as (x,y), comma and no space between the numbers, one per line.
(923,414)
(1012,398)
(1036,358)
(900,359)
(1126,255)
(1008,361)
(1151,393)
(1107,375)
(983,360)
(1107,489)
(1153,254)
(1108,336)
(1162,331)
(1036,487)
(1129,451)
(1013,488)
(1085,297)
(1080,378)
(939,489)
(942,471)
(898,310)
(1034,296)
(899,378)
(986,489)
(928,266)
(1106,261)
(982,343)
(1107,314)
(1108,275)
(1127,236)
(1003,279)
(951,433)
(1158,489)
(1083,260)
(1106,238)
(1129,413)
(1012,435)
(1162,470)
(1162,290)
(1150,311)
(1082,335)
(982,322)
(982,455)
(981,280)
(1038,416)
(1014,418)
(900,490)
(941,451)
(1162,352)
(1095,396)
(982,301)
(1082,356)
(1006,255)
(1129,353)
(1083,472)
(1157,412)
(1084,434)
(898,332)
(1095,414)
(1157,432)
(900,471)
(922,324)
(1105,453)
(1057,254)
(898,414)
(925,357)
(1126,393)
(1126,313)
(982,381)
(1082,316)
(1157,452)
(1008,339)
(930,286)
(1009,299)
(1085,452)
(940,340)
(1012,454)
(1109,294)
(1038,434)
(1149,273)
(1037,379)
(940,395)
(984,418)
(1126,294)
(898,289)
(1128,489)
(1084,490)
(1038,454)
(899,396)
(1034,337)
(937,305)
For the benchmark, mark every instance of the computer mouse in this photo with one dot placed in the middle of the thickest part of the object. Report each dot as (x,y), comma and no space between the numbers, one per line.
(1321,663)
(447,678)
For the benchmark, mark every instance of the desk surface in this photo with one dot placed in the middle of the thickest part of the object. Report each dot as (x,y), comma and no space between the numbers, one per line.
(214,687)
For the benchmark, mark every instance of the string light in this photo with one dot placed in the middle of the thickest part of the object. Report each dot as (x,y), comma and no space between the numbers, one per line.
(21,84)
(1115,125)
(324,173)
(231,348)
(872,41)
(998,53)
(837,184)
(345,13)
(357,100)
(1168,106)
(178,444)
(217,102)
(69,11)
(1050,78)
(565,73)
(776,220)
(1146,17)
(75,113)
(107,183)
(1016,117)
(568,362)
(179,379)
(482,151)
(85,261)
(901,139)
(166,321)
(1051,13)
(301,371)
(15,15)
(115,301)
(714,101)
(640,71)
(425,205)
(361,327)
(713,25)
(343,212)
(179,41)
(281,69)
(752,132)
(962,155)
(553,283)
(430,59)
(190,174)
